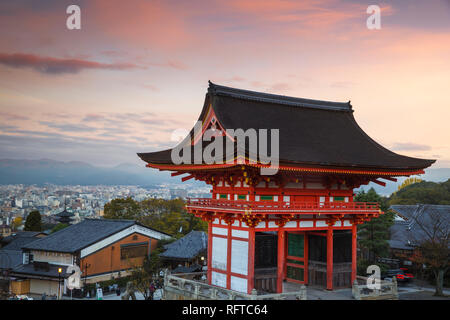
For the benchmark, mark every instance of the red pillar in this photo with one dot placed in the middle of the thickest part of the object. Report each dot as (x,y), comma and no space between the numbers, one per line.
(330,258)
(251,260)
(354,230)
(209,262)
(280,260)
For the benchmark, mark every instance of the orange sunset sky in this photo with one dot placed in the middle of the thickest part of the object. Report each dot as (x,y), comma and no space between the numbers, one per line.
(138,69)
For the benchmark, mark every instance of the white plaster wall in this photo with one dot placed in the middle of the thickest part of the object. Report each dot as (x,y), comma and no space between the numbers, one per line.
(239,257)
(219,253)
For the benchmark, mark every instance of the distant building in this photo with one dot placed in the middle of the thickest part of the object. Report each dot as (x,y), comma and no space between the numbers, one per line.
(65,216)
(101,248)
(5,230)
(178,193)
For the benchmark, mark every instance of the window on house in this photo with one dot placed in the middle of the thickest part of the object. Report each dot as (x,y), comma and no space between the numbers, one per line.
(133,250)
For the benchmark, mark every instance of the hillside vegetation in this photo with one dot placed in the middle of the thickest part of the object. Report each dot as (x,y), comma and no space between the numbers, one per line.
(424,192)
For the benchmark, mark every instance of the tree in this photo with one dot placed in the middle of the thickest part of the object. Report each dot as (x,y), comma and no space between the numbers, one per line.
(122,209)
(167,216)
(424,192)
(33,221)
(373,235)
(59,226)
(409,182)
(432,243)
(17,222)
(143,276)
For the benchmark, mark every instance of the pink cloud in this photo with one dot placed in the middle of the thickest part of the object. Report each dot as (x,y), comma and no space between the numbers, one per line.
(51,65)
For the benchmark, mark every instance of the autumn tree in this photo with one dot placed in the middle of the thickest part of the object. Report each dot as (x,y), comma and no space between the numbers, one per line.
(33,221)
(17,222)
(431,240)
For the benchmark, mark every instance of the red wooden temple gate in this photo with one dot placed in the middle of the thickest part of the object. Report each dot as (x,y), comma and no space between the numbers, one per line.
(299,225)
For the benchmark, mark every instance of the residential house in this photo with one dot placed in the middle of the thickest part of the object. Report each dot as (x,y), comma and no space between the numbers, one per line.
(101,248)
(417,223)
(11,256)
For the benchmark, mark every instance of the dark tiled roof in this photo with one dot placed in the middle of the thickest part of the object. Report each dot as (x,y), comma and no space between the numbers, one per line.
(17,240)
(183,269)
(311,132)
(10,258)
(188,247)
(80,235)
(65,214)
(30,269)
(219,90)
(418,224)
(18,243)
(21,234)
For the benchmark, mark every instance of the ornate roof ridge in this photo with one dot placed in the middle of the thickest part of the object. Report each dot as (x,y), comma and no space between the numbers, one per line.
(278,99)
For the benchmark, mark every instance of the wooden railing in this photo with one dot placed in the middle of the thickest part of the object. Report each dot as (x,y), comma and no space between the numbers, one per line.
(270,207)
(191,289)
(388,290)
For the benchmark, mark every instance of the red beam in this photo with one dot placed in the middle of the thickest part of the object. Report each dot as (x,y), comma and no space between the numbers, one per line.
(187,178)
(381,183)
(323,234)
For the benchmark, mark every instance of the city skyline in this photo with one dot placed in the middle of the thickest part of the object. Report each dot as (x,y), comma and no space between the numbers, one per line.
(138,70)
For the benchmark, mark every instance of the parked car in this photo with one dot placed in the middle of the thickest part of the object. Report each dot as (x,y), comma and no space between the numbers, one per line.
(399,274)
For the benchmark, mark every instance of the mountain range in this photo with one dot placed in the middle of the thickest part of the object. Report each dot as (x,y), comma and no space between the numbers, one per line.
(43,171)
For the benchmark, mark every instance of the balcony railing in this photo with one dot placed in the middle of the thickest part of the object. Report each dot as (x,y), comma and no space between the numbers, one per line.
(183,286)
(271,207)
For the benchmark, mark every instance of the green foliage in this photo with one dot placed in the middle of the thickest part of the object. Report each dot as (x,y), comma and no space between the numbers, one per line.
(59,226)
(122,209)
(143,276)
(165,215)
(423,192)
(373,235)
(33,222)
